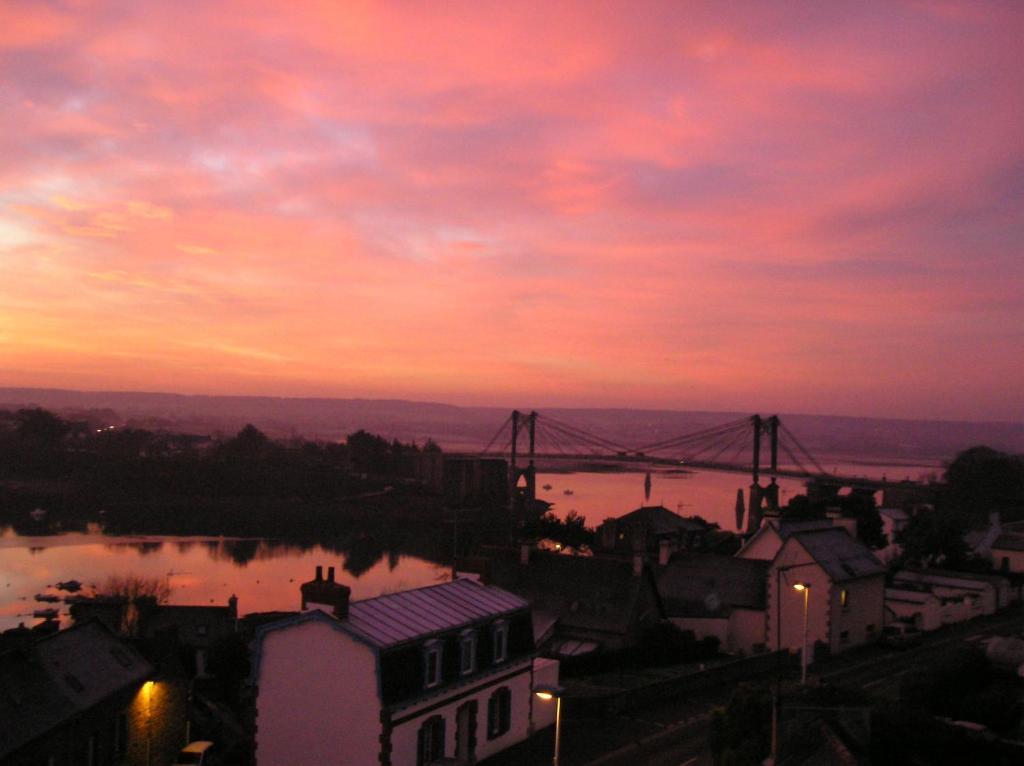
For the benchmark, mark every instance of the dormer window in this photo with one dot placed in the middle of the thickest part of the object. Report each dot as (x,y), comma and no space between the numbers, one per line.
(432,664)
(467,652)
(499,637)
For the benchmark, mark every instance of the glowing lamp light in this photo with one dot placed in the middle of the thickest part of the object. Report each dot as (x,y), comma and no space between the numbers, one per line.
(545,695)
(801,586)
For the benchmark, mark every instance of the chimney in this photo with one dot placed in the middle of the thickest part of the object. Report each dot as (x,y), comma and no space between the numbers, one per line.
(233,610)
(325,595)
(665,551)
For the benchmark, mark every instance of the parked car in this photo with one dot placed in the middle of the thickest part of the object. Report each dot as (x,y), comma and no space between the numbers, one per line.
(195,754)
(900,635)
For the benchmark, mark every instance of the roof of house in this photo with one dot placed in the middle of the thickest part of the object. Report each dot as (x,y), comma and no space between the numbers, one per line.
(588,593)
(661,521)
(787,527)
(944,576)
(183,620)
(839,554)
(1009,541)
(908,595)
(61,676)
(395,618)
(706,584)
(896,514)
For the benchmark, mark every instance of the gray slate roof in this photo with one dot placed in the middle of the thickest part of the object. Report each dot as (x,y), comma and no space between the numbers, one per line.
(582,592)
(709,585)
(660,520)
(399,617)
(840,555)
(59,677)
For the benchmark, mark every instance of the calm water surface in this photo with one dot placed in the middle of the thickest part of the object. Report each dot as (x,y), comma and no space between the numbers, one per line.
(264,574)
(709,494)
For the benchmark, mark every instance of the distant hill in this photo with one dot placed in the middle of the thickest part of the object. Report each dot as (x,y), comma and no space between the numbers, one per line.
(472,427)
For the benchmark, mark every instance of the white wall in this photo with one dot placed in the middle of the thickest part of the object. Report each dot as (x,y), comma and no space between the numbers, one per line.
(1014,559)
(791,607)
(545,673)
(762,546)
(863,616)
(747,630)
(317,699)
(404,735)
(923,609)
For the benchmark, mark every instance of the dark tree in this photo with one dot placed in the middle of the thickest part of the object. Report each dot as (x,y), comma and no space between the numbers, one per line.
(981,480)
(933,538)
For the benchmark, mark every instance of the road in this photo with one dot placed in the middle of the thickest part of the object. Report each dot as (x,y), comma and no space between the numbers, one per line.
(676,733)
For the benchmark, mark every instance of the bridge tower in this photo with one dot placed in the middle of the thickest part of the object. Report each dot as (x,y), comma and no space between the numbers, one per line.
(528,492)
(763,499)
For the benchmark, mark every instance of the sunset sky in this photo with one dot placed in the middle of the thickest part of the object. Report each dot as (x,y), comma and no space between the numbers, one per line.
(800,207)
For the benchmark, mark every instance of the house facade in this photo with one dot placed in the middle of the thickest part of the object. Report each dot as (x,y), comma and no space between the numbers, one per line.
(82,696)
(406,679)
(715,595)
(844,592)
(580,605)
(1008,549)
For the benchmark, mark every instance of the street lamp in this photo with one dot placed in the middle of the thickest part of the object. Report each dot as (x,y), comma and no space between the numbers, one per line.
(548,693)
(804,588)
(778,648)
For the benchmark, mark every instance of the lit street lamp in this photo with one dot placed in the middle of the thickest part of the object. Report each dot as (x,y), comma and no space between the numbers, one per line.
(804,588)
(554,692)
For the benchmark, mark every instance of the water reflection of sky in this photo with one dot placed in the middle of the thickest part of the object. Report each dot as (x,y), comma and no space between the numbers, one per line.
(265,575)
(709,494)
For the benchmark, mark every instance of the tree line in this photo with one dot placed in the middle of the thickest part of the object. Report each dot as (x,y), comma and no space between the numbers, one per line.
(103,462)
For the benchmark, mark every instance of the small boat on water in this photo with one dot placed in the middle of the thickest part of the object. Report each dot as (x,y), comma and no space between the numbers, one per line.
(49,598)
(567,492)
(547,487)
(48,614)
(71,586)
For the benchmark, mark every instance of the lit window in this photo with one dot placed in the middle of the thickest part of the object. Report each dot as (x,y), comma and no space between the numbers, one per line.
(844,598)
(500,641)
(467,652)
(499,713)
(432,664)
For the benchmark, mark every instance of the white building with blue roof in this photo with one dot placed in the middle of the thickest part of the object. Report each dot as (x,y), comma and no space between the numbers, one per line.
(444,673)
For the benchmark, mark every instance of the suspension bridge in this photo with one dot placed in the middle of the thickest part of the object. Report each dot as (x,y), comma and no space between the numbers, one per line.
(735,446)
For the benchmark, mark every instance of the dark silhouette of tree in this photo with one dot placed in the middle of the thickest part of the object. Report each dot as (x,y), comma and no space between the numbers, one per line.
(981,480)
(932,537)
(40,428)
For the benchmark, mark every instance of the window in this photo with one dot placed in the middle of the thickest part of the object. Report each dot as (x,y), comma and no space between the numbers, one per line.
(432,664)
(467,652)
(499,713)
(500,641)
(844,598)
(844,637)
(430,741)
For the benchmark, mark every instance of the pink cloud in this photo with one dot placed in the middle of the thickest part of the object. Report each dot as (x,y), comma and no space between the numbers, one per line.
(571,204)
